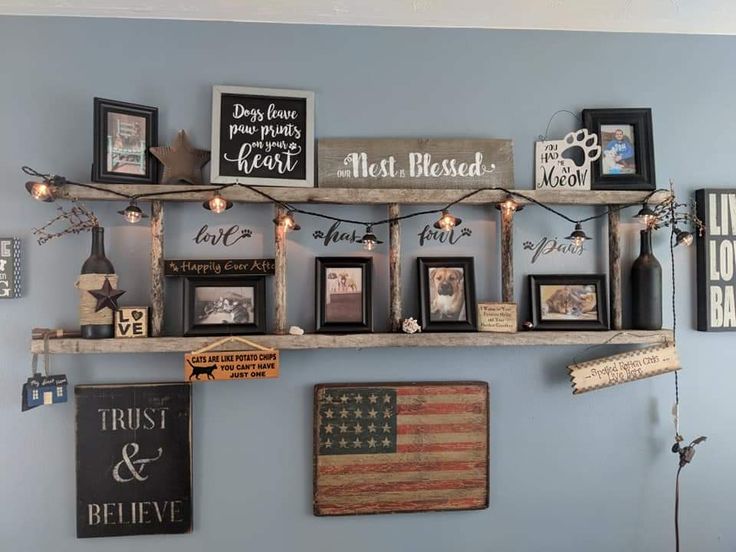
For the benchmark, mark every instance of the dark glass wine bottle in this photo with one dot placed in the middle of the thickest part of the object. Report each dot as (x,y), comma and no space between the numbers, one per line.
(97,263)
(646,288)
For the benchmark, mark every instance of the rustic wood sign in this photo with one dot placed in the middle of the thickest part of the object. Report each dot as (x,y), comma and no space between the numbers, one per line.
(131,322)
(133,459)
(400,447)
(566,164)
(218,267)
(415,163)
(622,368)
(497,317)
(10,268)
(262,136)
(227,365)
(716,260)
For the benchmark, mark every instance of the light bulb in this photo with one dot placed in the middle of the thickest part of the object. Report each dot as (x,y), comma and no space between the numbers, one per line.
(42,191)
(447,221)
(217,204)
(577,236)
(369,239)
(132,213)
(684,238)
(646,216)
(509,205)
(287,222)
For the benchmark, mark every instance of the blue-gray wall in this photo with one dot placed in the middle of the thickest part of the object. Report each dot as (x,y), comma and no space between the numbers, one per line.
(567,473)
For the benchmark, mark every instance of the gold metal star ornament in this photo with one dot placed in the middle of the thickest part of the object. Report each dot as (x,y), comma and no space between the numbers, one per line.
(181,161)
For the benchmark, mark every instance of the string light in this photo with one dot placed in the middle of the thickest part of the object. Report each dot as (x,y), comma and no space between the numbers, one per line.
(508,205)
(287,221)
(577,236)
(683,237)
(217,203)
(369,239)
(646,216)
(132,213)
(447,221)
(42,191)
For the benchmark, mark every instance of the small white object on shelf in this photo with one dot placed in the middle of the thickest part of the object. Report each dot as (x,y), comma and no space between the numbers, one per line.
(410,326)
(296,330)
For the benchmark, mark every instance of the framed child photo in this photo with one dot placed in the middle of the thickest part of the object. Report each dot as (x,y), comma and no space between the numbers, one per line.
(123,135)
(224,305)
(569,302)
(344,297)
(626,139)
(447,294)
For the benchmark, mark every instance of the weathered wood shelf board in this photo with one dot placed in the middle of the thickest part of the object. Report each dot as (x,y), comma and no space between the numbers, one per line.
(358,195)
(360,341)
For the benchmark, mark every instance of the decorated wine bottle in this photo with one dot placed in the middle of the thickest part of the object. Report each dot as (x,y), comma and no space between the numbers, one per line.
(96,325)
(646,288)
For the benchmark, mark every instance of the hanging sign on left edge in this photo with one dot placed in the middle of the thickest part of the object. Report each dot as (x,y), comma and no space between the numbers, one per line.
(622,368)
(230,365)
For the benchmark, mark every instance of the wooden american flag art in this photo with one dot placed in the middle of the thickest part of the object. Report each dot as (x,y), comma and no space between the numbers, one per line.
(400,447)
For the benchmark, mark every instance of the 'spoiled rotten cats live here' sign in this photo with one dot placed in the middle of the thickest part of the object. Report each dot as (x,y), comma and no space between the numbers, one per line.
(133,459)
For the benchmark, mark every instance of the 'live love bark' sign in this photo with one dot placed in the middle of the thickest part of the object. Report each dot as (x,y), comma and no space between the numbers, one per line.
(262,136)
(717,260)
(134,472)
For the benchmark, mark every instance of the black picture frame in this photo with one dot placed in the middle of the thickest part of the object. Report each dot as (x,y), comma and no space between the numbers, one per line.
(103,150)
(467,264)
(536,281)
(190,309)
(323,324)
(643,177)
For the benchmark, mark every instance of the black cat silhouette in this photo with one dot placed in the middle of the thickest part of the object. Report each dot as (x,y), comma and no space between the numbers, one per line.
(199,370)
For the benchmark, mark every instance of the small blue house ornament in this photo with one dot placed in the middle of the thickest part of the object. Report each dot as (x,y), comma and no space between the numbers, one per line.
(43,389)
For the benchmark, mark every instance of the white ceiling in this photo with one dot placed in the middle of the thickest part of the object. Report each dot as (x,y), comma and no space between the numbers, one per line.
(656,16)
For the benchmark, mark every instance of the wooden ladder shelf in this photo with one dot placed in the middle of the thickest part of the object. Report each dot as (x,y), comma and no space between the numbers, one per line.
(393,198)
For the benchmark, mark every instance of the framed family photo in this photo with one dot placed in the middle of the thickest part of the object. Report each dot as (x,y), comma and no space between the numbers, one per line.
(447,294)
(569,302)
(224,305)
(344,295)
(123,134)
(627,143)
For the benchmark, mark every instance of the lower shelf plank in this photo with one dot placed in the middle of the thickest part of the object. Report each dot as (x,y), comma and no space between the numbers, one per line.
(358,341)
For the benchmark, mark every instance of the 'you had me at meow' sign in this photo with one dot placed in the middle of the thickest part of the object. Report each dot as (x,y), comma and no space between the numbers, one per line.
(717,260)
(262,136)
(565,164)
(133,459)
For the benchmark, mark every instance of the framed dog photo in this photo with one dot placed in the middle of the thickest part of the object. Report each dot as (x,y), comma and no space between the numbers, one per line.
(344,301)
(569,302)
(447,294)
(626,139)
(224,305)
(123,134)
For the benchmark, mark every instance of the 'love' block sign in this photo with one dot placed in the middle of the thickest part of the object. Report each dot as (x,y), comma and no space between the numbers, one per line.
(131,322)
(565,164)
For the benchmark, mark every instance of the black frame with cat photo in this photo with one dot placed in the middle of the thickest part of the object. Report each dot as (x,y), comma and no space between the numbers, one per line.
(258,326)
(536,281)
(322,265)
(424,264)
(100,172)
(641,120)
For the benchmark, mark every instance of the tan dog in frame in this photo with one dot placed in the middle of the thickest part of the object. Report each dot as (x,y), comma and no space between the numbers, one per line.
(447,293)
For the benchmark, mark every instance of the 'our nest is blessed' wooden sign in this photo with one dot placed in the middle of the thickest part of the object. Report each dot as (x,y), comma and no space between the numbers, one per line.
(415,163)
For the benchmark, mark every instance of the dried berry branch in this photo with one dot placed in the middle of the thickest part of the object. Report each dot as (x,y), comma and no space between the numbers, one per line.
(78,219)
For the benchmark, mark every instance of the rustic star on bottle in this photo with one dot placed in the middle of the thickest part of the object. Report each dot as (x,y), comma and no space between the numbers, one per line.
(107,296)
(181,161)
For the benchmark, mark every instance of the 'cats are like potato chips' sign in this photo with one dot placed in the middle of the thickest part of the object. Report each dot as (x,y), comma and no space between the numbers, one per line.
(232,365)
